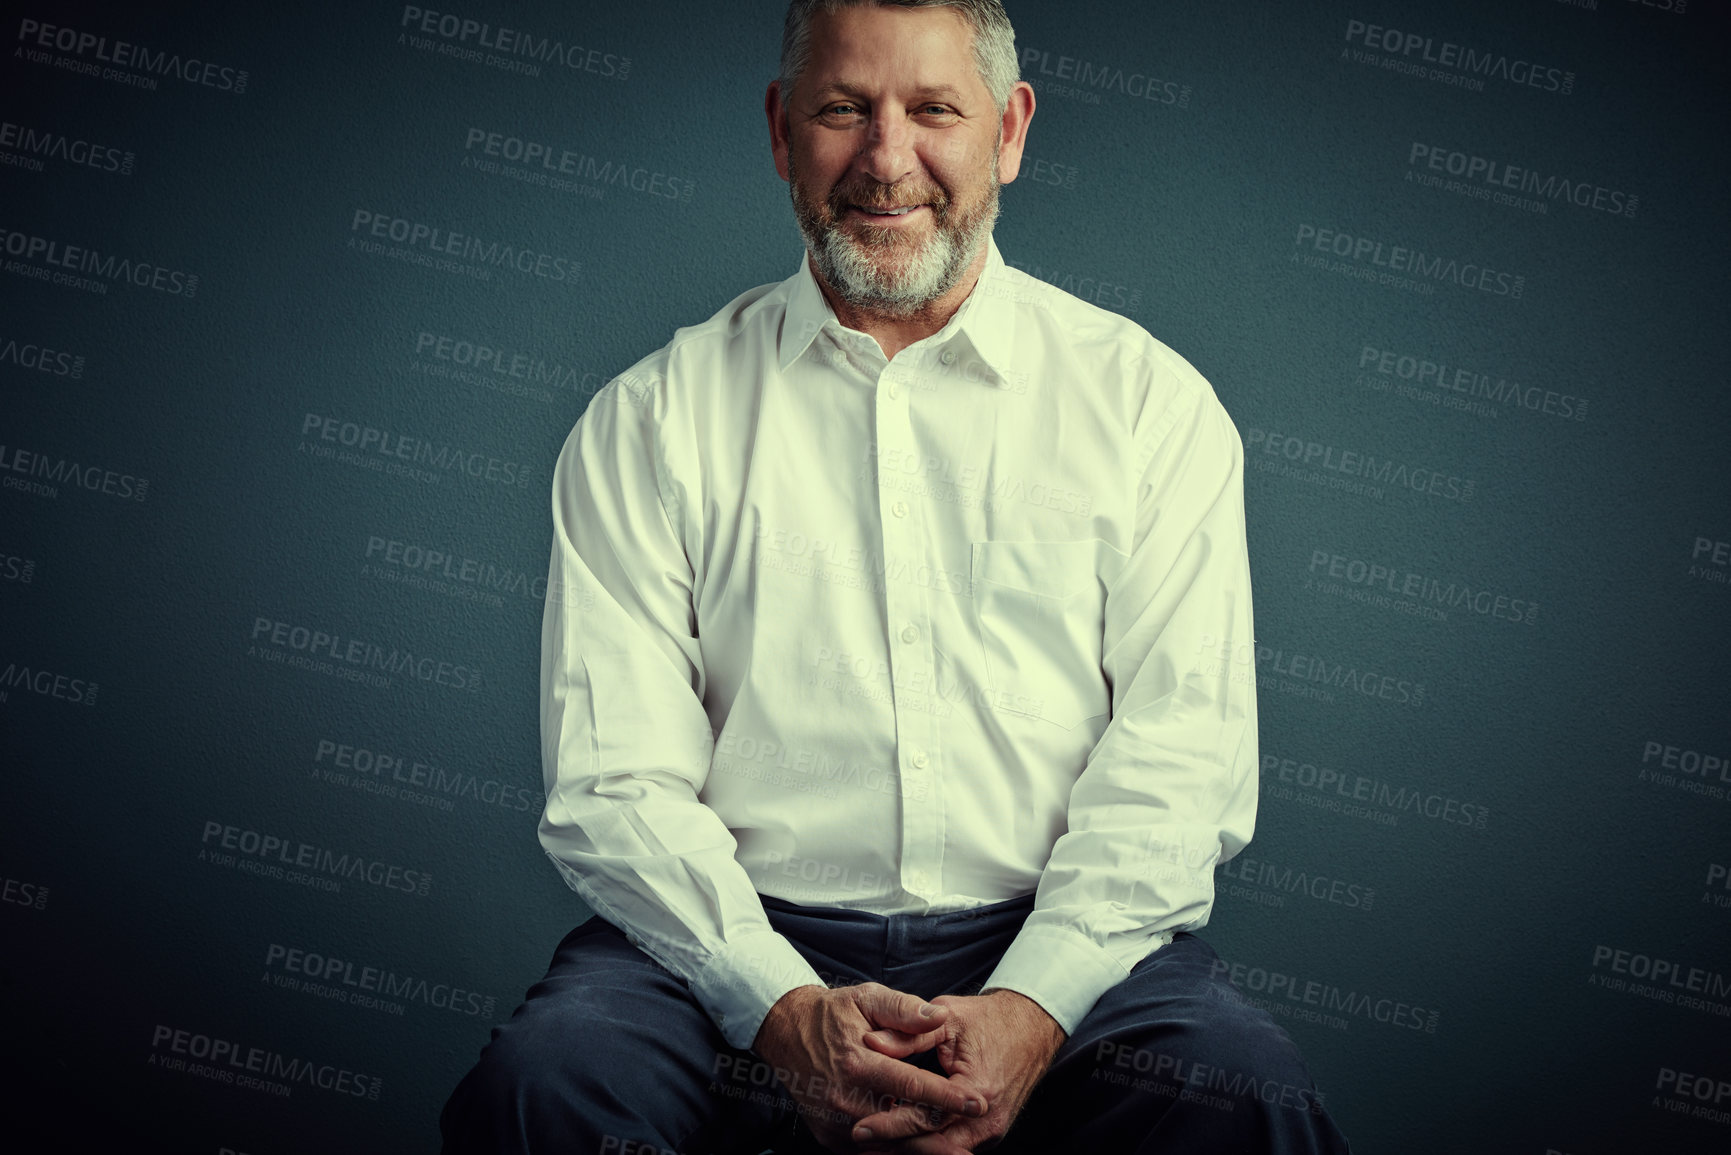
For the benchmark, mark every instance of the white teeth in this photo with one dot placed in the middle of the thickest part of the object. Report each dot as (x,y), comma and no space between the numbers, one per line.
(890,212)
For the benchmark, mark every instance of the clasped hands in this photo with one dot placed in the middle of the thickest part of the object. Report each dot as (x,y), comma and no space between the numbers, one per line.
(845,1047)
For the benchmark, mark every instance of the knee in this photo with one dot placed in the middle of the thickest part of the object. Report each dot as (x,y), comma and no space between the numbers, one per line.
(534,1059)
(1242,1042)
(1214,1040)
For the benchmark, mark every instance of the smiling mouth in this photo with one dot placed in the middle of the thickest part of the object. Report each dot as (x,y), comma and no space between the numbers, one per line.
(901,212)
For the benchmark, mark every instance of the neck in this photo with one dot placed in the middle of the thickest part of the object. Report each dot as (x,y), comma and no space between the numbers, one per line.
(896,331)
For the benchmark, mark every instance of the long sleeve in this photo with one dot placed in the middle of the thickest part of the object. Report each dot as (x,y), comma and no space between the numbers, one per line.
(626,743)
(1170,788)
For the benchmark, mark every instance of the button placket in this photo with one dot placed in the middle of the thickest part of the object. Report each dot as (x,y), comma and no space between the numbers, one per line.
(913,673)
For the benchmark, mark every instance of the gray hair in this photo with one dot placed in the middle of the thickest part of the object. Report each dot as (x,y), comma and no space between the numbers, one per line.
(994,39)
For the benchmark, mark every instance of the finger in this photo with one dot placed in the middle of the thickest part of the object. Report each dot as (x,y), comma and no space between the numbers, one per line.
(899,1123)
(906,1081)
(934,1143)
(897,1009)
(900,1044)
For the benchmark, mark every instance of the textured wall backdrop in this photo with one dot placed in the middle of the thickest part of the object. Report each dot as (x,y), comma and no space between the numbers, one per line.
(300,300)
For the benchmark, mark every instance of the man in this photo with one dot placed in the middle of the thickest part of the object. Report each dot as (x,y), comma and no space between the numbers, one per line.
(888,711)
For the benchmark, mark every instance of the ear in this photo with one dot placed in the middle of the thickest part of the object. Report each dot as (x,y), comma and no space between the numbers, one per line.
(778,129)
(1013,133)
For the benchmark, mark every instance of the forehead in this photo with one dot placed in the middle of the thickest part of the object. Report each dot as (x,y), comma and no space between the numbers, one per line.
(872,48)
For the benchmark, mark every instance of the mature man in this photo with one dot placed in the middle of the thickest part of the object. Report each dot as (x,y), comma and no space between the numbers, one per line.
(889,717)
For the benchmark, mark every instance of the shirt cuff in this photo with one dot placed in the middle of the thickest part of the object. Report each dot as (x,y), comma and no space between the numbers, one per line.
(1065,972)
(745,979)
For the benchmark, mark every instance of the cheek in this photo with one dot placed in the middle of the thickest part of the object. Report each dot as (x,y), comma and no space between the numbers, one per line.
(825,162)
(963,168)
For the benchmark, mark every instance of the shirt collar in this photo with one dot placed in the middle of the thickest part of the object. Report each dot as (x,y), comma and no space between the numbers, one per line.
(985,320)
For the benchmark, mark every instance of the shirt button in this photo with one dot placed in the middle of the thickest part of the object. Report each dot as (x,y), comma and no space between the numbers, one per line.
(919,760)
(948,356)
(910,633)
(895,390)
(900,509)
(920,880)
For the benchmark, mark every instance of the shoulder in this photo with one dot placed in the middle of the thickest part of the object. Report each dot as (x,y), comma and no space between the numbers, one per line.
(1138,374)
(683,373)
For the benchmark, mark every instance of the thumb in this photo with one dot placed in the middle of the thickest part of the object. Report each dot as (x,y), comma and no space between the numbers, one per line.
(900,1011)
(900,1044)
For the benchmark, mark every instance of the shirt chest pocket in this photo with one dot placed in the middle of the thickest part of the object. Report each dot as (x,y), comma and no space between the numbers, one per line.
(1041,610)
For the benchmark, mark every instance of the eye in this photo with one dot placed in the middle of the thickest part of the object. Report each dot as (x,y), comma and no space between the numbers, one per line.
(841,110)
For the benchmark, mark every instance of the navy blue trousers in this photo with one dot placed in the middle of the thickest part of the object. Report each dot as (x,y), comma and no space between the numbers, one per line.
(610,1055)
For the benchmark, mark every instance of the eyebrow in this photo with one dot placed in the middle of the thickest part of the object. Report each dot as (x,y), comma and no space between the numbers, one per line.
(854,89)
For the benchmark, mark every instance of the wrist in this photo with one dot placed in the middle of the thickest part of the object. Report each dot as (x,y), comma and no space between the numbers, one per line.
(1039,1021)
(787,1009)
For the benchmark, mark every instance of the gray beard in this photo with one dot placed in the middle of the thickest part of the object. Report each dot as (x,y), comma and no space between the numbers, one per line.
(926,274)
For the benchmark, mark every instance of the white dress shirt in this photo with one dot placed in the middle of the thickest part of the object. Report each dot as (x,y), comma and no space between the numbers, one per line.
(900,636)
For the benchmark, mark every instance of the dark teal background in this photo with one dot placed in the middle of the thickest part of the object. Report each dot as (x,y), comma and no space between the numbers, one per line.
(1187,211)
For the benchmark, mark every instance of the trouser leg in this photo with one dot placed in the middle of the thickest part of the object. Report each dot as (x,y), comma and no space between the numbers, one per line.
(1174,1060)
(609,1053)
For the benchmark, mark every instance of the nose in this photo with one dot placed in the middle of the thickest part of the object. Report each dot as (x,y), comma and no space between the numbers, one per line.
(887,152)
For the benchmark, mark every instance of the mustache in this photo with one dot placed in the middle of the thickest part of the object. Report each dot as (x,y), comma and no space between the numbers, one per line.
(874,195)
